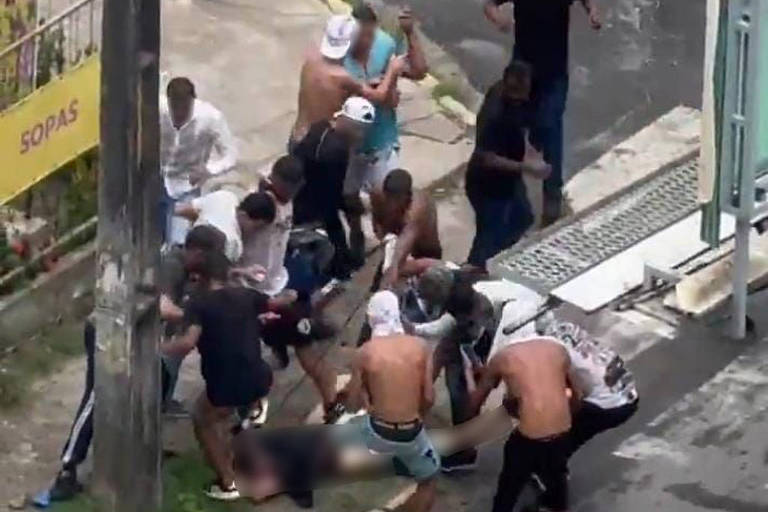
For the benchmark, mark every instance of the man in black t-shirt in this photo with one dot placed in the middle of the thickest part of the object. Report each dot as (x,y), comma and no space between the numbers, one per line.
(325,152)
(541,40)
(494,182)
(224,324)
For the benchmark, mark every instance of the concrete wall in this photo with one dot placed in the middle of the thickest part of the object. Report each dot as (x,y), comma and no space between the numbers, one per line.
(65,292)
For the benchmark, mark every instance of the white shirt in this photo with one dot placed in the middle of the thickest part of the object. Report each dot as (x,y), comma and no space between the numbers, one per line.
(219,209)
(191,147)
(597,370)
(267,247)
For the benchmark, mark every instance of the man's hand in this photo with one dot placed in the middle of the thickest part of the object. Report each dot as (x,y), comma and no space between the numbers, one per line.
(594,17)
(257,273)
(398,64)
(538,169)
(407,22)
(197,176)
(267,317)
(500,19)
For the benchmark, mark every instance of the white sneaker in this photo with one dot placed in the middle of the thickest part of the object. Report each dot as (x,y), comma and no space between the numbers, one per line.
(216,491)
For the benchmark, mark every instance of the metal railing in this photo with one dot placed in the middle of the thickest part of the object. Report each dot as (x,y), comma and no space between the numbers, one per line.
(59,42)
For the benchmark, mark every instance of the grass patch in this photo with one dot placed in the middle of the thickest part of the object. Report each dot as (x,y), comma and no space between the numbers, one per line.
(184,478)
(446,89)
(20,366)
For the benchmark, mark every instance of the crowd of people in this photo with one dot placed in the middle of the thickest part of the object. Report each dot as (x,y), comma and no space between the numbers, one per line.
(242,270)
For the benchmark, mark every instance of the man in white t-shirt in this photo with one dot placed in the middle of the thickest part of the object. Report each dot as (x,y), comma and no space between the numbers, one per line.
(234,218)
(195,144)
(266,246)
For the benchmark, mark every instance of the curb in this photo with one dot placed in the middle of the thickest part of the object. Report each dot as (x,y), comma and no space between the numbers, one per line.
(443,70)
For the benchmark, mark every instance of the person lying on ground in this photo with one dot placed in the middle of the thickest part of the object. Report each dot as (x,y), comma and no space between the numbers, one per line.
(297,460)
(535,372)
(392,380)
(224,324)
(324,153)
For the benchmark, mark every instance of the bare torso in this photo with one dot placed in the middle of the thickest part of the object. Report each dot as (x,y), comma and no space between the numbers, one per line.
(422,213)
(394,376)
(323,89)
(535,373)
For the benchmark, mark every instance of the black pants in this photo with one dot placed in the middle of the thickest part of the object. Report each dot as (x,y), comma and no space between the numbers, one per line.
(547,458)
(591,420)
(80,435)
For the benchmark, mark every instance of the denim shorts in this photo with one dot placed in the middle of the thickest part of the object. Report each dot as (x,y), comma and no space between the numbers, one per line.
(416,458)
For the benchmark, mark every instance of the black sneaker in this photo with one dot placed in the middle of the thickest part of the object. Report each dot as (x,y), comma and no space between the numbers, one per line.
(332,415)
(302,499)
(462,461)
(220,492)
(66,486)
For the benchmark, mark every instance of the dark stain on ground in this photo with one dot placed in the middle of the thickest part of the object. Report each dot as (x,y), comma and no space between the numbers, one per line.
(715,436)
(696,495)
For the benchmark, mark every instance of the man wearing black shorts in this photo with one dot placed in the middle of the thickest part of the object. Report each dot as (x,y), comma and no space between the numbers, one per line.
(224,324)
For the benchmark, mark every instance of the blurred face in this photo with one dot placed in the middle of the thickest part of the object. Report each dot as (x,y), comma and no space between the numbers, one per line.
(284,192)
(180,107)
(365,37)
(517,88)
(247,224)
(193,258)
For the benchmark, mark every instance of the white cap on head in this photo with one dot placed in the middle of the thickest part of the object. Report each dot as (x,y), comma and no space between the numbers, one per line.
(340,31)
(384,314)
(358,109)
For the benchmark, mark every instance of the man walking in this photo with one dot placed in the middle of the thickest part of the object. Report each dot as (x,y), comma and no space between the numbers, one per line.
(541,39)
(502,155)
(368,61)
(195,144)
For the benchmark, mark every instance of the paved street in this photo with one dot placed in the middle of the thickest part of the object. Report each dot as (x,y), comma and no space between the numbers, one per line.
(646,60)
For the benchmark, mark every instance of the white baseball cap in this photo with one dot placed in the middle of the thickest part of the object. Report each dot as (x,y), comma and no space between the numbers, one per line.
(358,109)
(340,31)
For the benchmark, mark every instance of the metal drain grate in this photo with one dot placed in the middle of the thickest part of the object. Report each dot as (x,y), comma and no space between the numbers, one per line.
(596,236)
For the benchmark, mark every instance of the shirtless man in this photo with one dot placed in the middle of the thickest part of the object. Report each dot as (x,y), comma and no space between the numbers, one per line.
(325,84)
(535,372)
(410,215)
(392,379)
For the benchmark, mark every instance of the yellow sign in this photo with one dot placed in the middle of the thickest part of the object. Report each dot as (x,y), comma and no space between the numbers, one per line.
(49,127)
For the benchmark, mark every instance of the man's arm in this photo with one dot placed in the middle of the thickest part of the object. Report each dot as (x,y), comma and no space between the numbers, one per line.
(533,163)
(500,19)
(225,147)
(488,382)
(182,345)
(594,14)
(417,61)
(169,311)
(186,210)
(403,248)
(355,394)
(428,387)
(386,91)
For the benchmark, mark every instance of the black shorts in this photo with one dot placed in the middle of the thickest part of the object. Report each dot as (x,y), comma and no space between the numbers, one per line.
(239,389)
(523,457)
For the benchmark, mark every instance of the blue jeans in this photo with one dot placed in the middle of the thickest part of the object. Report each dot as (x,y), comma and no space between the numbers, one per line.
(500,223)
(175,229)
(549,99)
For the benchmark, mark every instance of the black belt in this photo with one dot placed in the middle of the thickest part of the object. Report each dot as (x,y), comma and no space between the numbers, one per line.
(404,425)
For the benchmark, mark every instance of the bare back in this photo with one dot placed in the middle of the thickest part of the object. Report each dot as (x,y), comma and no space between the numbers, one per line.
(323,89)
(421,215)
(535,372)
(394,374)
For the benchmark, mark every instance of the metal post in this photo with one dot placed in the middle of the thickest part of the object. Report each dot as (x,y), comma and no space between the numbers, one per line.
(740,279)
(127,445)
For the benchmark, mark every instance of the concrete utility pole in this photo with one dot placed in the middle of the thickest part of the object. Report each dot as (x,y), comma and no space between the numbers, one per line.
(127,445)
